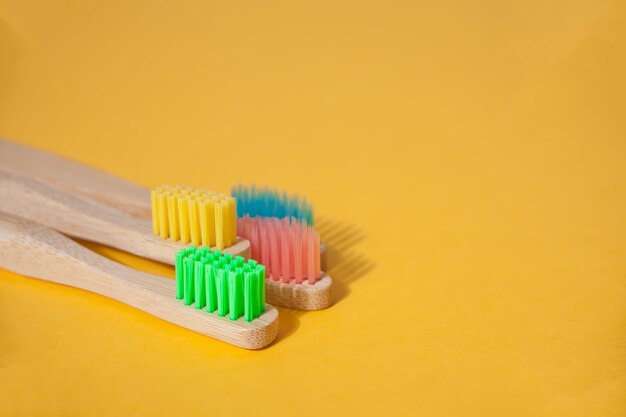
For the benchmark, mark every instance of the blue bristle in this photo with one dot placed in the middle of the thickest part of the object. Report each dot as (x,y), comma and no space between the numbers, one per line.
(266,202)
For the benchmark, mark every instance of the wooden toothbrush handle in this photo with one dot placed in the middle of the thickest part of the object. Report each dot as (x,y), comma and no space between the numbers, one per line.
(90,184)
(76,178)
(84,219)
(37,251)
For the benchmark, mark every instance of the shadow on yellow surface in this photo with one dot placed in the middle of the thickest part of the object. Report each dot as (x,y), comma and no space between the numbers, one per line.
(344,265)
(478,145)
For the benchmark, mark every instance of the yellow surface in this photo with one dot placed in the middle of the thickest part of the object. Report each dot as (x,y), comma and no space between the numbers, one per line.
(467,161)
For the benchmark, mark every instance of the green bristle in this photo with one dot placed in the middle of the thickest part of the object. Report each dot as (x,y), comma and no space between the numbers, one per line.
(256,293)
(199,283)
(188,276)
(261,269)
(211,290)
(221,283)
(180,283)
(247,283)
(240,305)
(234,298)
(220,263)
(222,293)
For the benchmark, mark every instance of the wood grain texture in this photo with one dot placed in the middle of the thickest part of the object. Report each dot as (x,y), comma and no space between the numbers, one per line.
(83,181)
(72,215)
(37,251)
(75,178)
(300,296)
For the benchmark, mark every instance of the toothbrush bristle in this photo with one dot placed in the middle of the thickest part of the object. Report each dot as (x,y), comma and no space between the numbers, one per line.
(192,215)
(289,248)
(218,282)
(265,202)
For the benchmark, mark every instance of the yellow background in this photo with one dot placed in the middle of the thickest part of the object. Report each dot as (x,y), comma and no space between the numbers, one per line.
(467,162)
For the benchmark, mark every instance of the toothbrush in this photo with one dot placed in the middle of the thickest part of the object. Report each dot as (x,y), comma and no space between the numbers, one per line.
(106,209)
(290,249)
(194,215)
(87,219)
(83,182)
(220,283)
(37,251)
(281,235)
(266,202)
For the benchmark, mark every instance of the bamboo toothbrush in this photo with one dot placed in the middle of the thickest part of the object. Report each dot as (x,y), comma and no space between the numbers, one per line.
(266,202)
(79,216)
(59,182)
(37,251)
(281,235)
(290,249)
(194,215)
(95,186)
(74,181)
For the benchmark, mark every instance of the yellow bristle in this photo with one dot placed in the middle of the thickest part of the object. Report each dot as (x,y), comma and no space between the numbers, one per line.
(193,215)
(194,222)
(155,212)
(211,222)
(229,207)
(219,225)
(233,221)
(225,230)
(203,229)
(183,217)
(207,223)
(162,208)
(172,215)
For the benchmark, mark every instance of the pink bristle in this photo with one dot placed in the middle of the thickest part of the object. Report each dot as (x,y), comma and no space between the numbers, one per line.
(265,246)
(267,232)
(254,240)
(284,258)
(297,253)
(293,237)
(288,248)
(305,252)
(274,230)
(316,255)
(310,258)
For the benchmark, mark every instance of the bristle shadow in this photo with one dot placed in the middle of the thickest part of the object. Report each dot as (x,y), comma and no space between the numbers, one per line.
(338,235)
(345,271)
(344,265)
